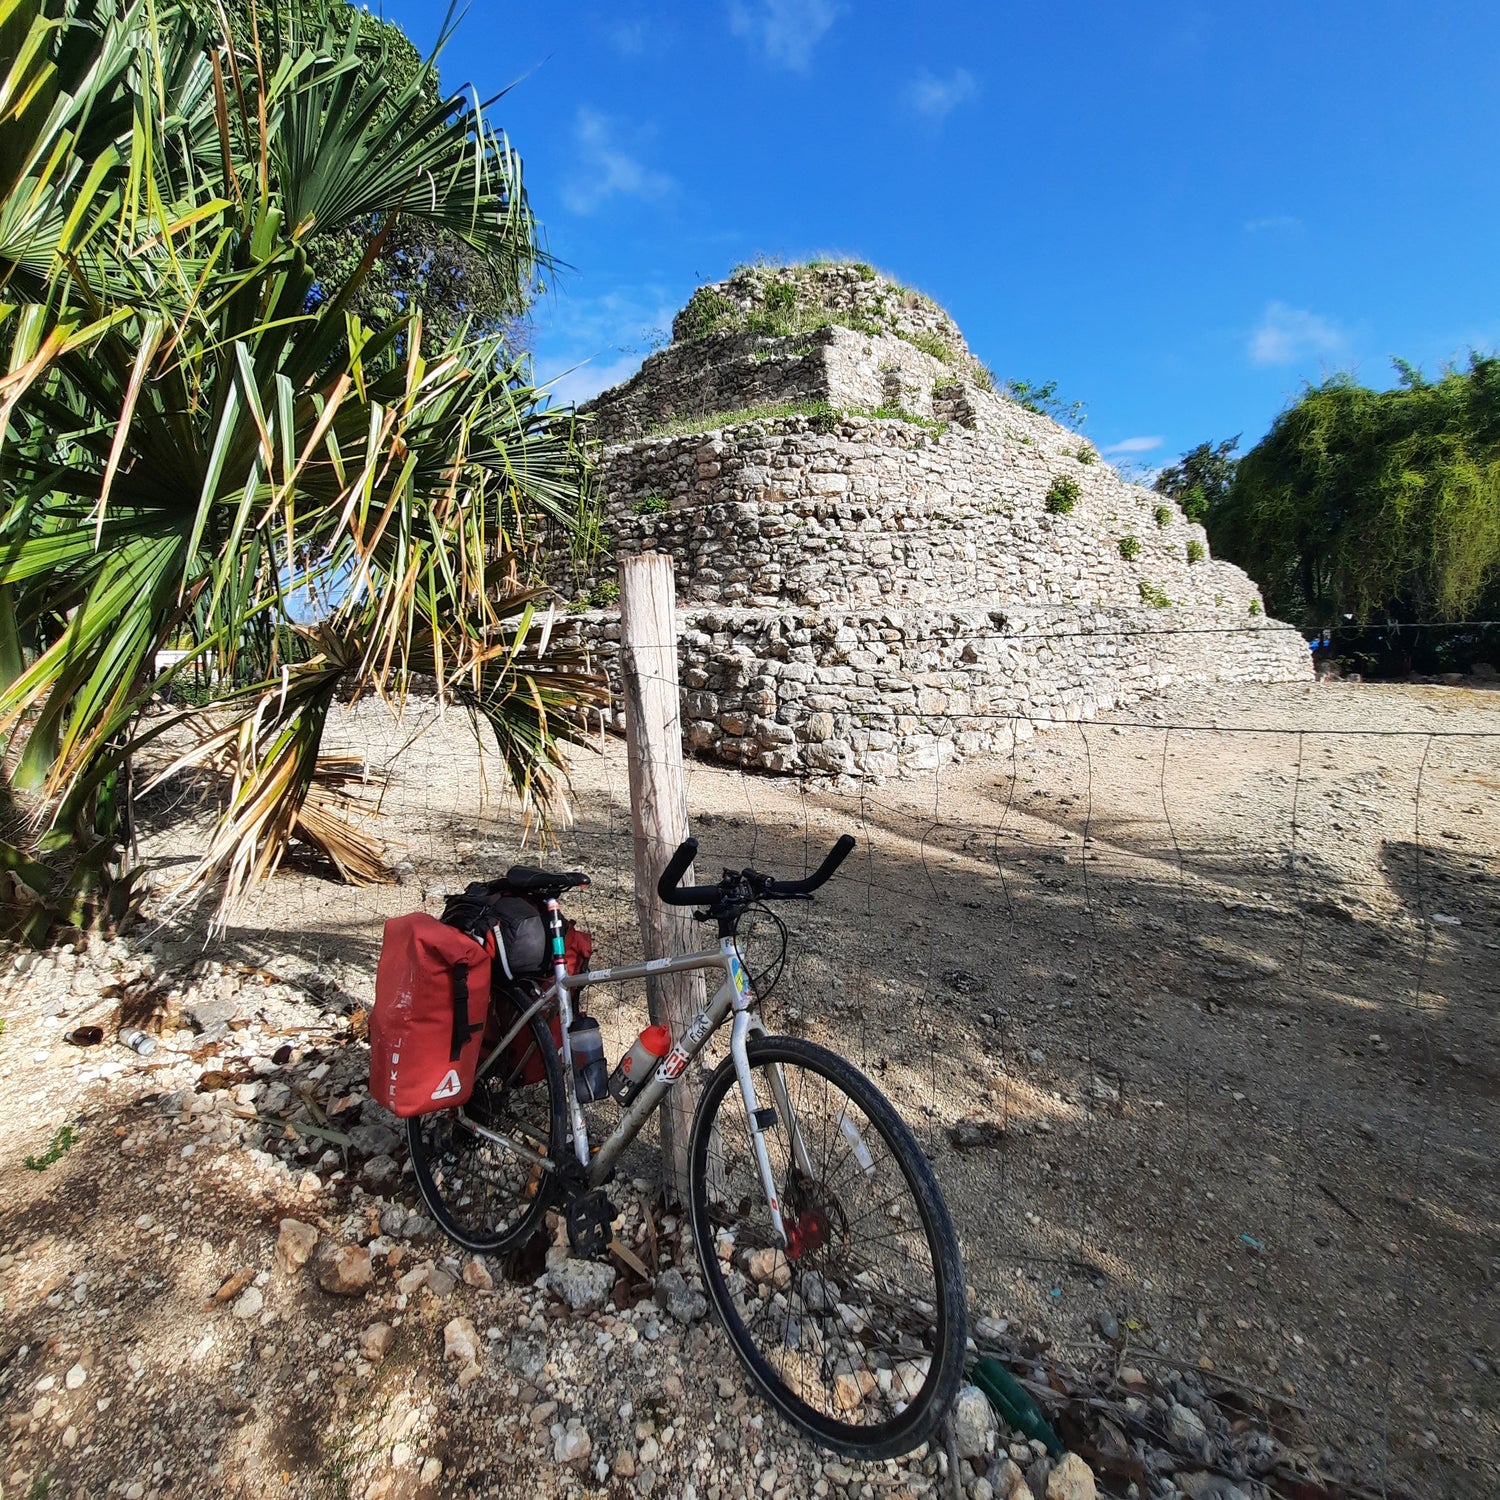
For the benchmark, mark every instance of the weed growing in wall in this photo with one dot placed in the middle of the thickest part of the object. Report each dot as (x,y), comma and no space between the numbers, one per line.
(928,343)
(1153,596)
(1085,454)
(652,505)
(1062,496)
(708,311)
(1130,548)
(1256,607)
(1162,515)
(1196,551)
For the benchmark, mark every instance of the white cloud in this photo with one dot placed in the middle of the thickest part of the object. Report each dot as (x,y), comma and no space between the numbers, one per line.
(573,385)
(628,38)
(785,30)
(605,170)
(586,343)
(1274,223)
(1134,445)
(1287,334)
(937,98)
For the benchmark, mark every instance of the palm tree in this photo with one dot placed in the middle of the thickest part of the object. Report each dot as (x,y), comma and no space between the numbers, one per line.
(197,430)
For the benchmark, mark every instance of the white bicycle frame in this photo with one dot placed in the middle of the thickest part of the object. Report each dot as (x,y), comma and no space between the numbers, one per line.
(732,996)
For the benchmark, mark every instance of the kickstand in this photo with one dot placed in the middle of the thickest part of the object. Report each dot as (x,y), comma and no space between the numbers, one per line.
(955,1484)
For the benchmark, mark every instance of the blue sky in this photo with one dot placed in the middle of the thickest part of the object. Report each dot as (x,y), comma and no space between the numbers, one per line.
(1179,212)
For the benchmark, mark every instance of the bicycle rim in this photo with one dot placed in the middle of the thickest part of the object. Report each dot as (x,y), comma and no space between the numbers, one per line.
(482,1195)
(855,1329)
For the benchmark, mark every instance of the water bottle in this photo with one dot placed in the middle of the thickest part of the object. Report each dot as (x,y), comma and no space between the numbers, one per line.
(637,1066)
(138,1041)
(590,1076)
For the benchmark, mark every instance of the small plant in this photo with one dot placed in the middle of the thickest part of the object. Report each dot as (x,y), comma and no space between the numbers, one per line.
(603,595)
(1162,515)
(984,377)
(1130,548)
(1041,397)
(1196,551)
(62,1143)
(1062,496)
(866,272)
(1085,454)
(1256,608)
(781,296)
(708,311)
(1153,596)
(652,505)
(928,343)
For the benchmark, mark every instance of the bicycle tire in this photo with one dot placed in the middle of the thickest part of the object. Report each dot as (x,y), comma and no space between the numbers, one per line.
(903,1419)
(445,1154)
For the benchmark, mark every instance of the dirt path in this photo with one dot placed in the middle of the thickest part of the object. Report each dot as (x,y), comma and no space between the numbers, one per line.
(1211,1015)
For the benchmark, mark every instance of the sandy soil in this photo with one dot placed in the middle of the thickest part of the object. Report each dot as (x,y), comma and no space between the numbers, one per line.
(1229,995)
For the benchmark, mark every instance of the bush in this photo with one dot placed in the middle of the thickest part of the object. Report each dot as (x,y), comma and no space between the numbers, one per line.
(1130,548)
(1162,515)
(1196,551)
(1062,496)
(1153,596)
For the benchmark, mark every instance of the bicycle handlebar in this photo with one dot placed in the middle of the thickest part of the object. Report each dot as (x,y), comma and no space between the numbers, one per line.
(756,884)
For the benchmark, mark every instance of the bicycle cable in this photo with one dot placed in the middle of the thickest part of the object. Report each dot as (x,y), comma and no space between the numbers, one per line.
(778,964)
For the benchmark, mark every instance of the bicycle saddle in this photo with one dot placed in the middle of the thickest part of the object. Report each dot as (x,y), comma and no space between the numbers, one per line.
(532,882)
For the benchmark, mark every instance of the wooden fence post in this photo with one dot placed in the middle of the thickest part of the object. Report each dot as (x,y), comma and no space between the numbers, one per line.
(658,814)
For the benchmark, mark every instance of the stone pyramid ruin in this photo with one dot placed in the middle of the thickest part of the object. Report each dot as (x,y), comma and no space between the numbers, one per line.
(881,562)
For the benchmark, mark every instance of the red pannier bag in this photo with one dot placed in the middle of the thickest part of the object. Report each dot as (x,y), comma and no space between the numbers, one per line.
(432,993)
(578,949)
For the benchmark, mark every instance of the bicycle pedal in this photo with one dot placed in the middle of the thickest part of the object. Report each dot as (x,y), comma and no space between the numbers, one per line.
(590,1217)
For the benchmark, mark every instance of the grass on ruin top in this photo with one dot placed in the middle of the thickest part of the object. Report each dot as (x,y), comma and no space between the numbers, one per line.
(821,416)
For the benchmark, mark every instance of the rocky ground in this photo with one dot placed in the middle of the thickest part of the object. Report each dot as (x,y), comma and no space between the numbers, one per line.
(1198,1027)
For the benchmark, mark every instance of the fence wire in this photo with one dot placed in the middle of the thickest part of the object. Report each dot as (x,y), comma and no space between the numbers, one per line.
(1196,1019)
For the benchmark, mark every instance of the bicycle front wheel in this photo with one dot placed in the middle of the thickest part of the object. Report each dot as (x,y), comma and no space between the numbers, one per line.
(855,1328)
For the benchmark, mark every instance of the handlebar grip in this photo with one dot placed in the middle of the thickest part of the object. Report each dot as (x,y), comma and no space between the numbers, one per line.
(822,875)
(667,887)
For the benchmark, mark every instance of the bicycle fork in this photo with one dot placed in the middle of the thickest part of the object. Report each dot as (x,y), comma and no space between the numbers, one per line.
(761,1118)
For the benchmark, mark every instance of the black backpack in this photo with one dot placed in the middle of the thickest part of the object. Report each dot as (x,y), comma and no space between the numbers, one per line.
(518,926)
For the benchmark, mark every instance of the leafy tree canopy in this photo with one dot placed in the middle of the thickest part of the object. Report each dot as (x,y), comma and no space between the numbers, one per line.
(418,262)
(1201,478)
(1380,505)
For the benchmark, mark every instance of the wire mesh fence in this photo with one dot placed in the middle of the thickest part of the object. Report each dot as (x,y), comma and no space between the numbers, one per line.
(1194,1010)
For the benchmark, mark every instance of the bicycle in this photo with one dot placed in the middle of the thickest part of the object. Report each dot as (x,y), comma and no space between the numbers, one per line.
(825,1246)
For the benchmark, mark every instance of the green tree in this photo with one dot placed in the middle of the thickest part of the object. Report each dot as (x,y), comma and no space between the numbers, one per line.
(200,434)
(418,262)
(1201,478)
(1383,506)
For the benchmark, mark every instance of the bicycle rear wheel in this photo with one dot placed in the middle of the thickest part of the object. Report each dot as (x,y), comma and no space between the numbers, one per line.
(487,1198)
(855,1329)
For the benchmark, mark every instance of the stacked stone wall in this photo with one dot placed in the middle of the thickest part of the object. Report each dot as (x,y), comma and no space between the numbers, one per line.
(874,593)
(881,693)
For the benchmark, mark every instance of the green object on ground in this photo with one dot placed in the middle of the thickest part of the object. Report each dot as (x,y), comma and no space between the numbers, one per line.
(1009,1398)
